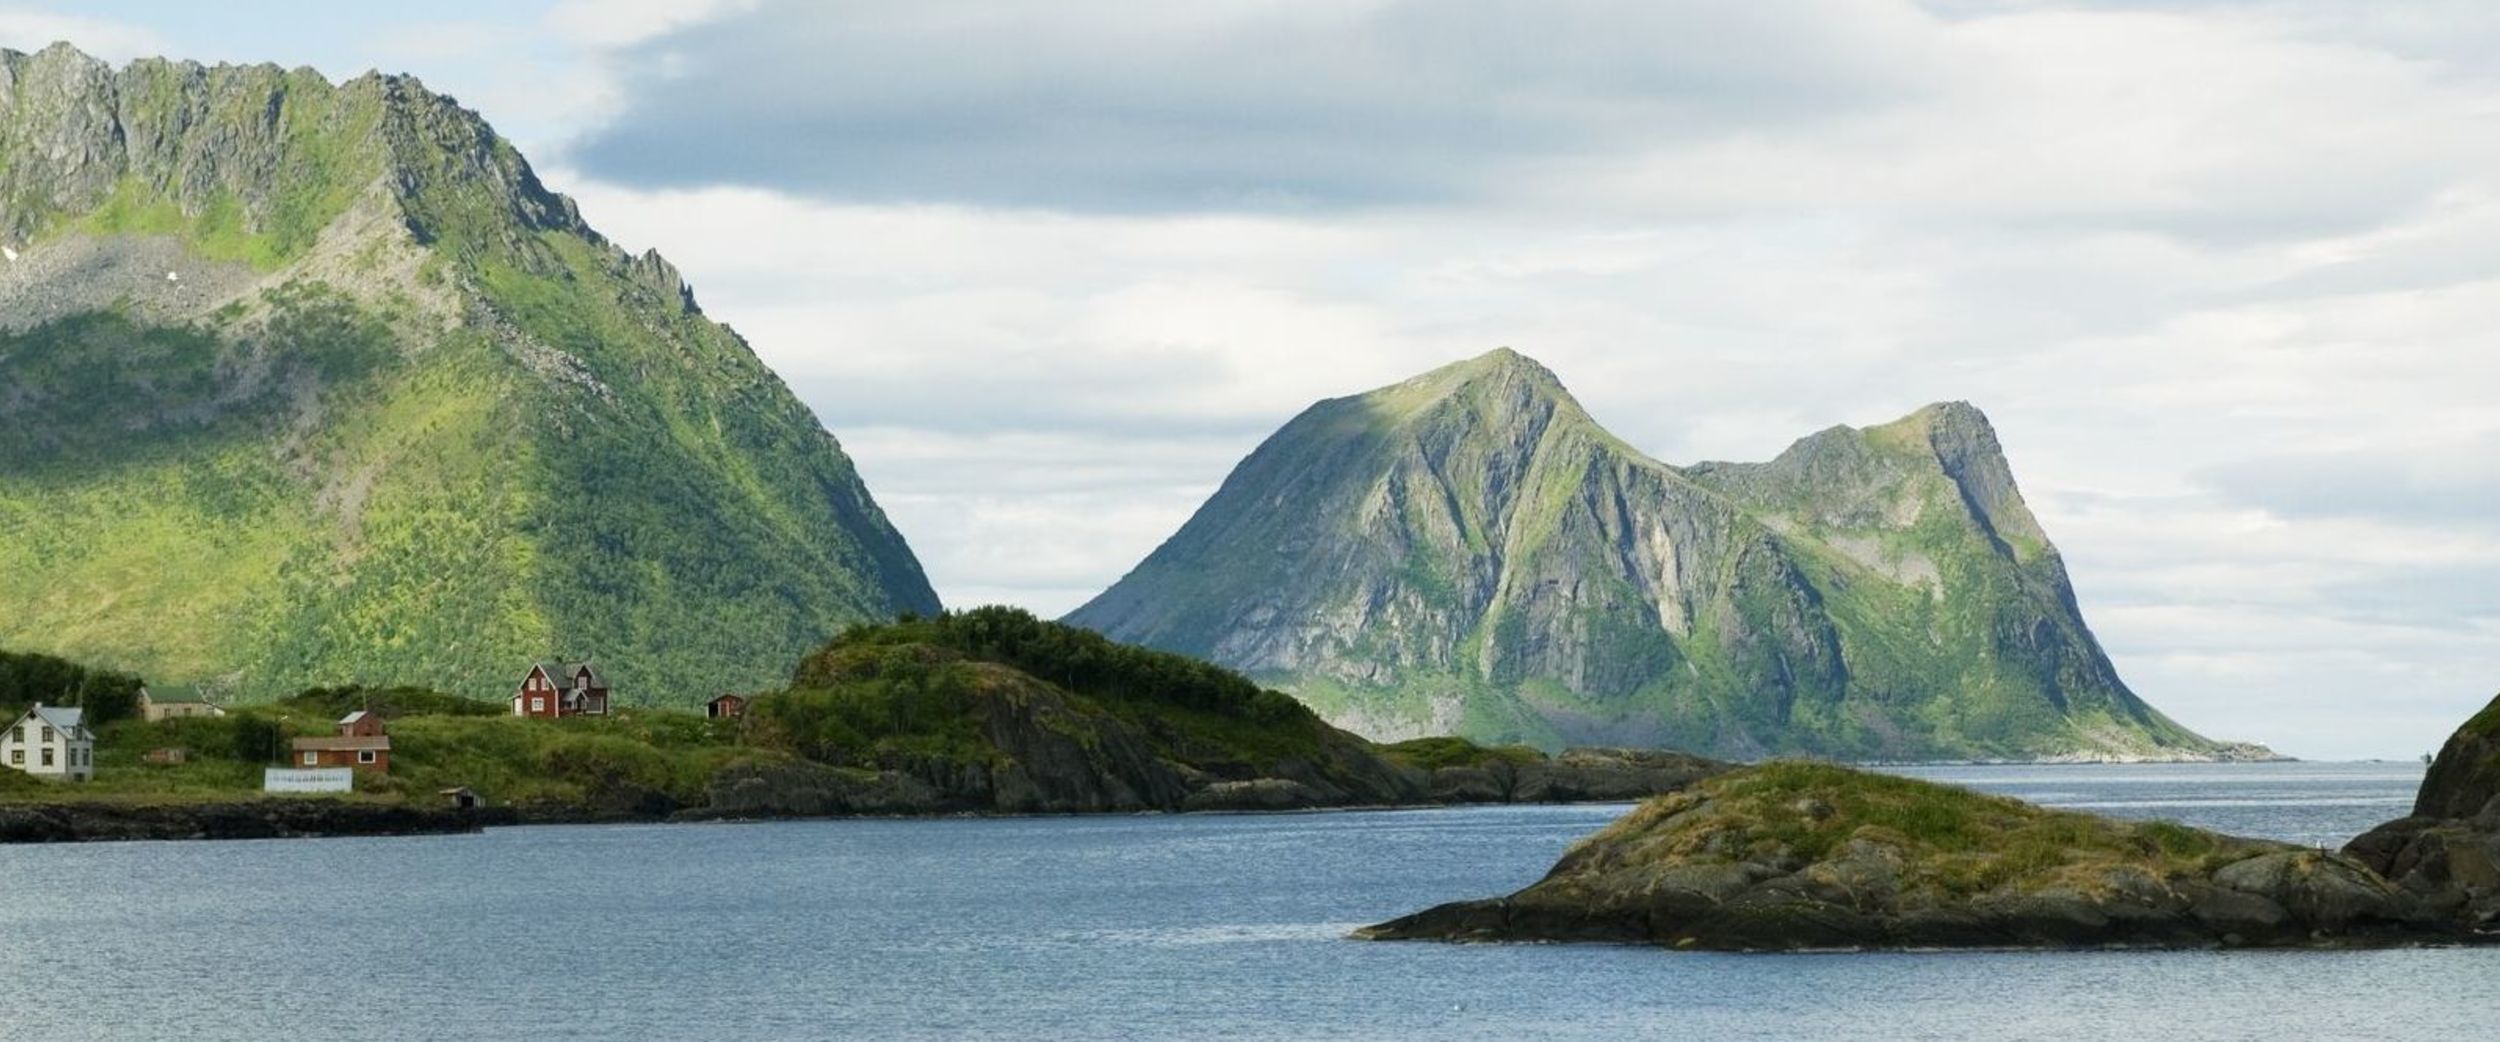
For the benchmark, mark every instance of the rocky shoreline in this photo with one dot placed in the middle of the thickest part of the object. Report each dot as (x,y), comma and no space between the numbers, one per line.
(1801,856)
(271,818)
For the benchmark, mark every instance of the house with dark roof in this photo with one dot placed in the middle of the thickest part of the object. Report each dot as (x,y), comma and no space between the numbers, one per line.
(553,689)
(360,743)
(50,742)
(153,709)
(726,707)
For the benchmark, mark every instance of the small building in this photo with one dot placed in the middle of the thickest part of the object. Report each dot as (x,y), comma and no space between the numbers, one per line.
(726,707)
(50,742)
(552,689)
(360,744)
(463,798)
(153,709)
(308,779)
(169,755)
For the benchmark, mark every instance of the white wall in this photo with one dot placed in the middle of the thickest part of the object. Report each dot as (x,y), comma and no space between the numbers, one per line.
(28,735)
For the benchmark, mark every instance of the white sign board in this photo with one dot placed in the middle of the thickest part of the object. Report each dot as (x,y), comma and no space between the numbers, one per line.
(307,779)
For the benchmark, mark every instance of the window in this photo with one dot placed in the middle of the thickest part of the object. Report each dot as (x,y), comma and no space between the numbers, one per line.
(311,758)
(17,757)
(364,756)
(537,704)
(47,756)
(47,732)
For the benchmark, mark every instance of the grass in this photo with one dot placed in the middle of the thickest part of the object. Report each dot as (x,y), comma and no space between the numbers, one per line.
(1432,754)
(437,742)
(1951,841)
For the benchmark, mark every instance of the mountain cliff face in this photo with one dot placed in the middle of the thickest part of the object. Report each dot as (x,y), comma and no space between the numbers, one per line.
(1468,552)
(312,383)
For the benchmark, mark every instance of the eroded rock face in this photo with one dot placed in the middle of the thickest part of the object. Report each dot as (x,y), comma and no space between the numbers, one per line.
(1802,856)
(1470,552)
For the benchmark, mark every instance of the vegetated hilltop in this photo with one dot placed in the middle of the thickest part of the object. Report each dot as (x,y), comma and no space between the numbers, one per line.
(987,711)
(308,383)
(1468,552)
(1794,855)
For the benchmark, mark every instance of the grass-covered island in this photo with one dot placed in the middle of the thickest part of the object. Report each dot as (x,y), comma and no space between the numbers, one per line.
(1799,856)
(984,711)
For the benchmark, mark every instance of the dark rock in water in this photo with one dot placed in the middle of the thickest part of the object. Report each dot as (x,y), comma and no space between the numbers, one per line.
(1794,856)
(2447,854)
(245,819)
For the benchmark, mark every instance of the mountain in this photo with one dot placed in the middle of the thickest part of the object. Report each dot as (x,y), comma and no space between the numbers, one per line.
(1469,552)
(311,383)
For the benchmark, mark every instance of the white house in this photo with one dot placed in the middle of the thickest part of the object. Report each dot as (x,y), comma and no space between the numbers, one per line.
(50,742)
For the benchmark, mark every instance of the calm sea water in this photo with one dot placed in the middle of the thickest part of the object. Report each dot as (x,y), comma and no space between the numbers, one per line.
(1191,927)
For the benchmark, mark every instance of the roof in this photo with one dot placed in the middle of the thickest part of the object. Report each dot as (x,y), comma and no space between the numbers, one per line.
(349,743)
(69,720)
(352,717)
(560,671)
(726,695)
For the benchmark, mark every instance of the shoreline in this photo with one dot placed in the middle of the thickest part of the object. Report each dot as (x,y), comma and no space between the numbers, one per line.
(97,820)
(298,817)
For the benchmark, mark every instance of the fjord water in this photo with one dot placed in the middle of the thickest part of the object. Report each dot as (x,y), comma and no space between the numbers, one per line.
(1149,927)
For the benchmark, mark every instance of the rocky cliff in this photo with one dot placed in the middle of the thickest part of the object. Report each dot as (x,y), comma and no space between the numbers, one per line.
(1469,552)
(310,382)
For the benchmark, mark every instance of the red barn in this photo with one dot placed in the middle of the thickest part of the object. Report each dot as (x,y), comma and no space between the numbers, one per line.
(726,707)
(360,743)
(552,689)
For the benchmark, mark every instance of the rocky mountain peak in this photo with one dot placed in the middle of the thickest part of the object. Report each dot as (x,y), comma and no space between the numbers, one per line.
(1468,551)
(258,153)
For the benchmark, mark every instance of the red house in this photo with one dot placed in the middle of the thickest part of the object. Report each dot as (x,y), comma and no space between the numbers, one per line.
(552,689)
(726,707)
(360,743)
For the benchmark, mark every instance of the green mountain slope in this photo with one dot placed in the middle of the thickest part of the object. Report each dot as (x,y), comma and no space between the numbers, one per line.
(1468,552)
(310,383)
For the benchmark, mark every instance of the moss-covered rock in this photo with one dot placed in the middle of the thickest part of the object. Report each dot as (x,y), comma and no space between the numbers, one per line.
(1795,855)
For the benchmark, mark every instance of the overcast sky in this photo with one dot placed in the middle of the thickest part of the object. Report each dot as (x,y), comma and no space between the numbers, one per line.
(2225,274)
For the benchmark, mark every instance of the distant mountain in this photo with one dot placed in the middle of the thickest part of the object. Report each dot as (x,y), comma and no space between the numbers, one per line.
(310,383)
(1469,552)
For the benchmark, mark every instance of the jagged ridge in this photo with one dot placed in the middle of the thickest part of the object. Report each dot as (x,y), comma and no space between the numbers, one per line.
(1470,552)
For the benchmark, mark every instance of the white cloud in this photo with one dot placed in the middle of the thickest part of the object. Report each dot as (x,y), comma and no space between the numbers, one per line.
(622,23)
(2222,273)
(31,29)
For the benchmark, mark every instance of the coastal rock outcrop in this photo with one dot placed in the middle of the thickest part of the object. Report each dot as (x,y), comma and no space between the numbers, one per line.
(2447,853)
(1794,855)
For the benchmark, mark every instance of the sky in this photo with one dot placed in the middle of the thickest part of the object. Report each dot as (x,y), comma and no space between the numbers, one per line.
(2224,273)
